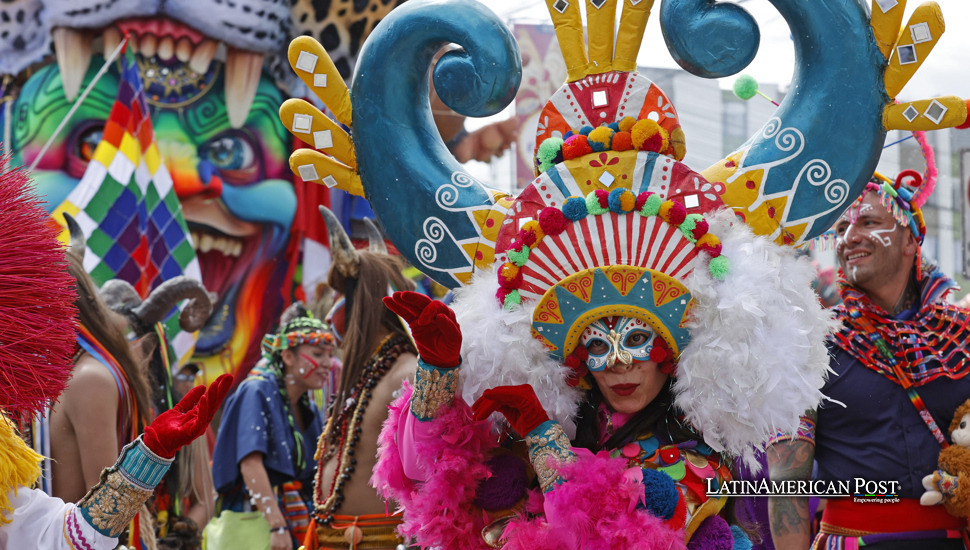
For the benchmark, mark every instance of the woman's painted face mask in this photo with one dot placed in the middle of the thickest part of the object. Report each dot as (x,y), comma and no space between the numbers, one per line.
(612,340)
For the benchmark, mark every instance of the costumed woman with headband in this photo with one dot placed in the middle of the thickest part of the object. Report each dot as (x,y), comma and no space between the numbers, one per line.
(263,456)
(37,319)
(619,337)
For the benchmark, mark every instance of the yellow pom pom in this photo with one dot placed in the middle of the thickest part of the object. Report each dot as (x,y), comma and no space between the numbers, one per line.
(628,201)
(708,240)
(534,227)
(600,138)
(649,136)
(510,271)
(664,212)
(627,123)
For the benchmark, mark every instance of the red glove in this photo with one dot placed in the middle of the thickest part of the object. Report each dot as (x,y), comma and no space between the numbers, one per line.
(180,425)
(433,325)
(519,404)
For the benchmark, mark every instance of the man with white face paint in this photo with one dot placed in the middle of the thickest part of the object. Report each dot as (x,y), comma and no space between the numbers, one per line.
(900,367)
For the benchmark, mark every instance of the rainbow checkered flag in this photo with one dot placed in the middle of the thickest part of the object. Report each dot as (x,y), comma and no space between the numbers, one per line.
(126,205)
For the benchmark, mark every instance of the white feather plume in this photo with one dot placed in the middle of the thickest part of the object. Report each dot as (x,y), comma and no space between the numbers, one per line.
(498,350)
(757,356)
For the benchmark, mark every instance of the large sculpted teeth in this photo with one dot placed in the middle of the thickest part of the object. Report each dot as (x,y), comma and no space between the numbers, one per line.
(73,50)
(228,246)
(183,49)
(112,37)
(149,45)
(166,48)
(243,70)
(202,56)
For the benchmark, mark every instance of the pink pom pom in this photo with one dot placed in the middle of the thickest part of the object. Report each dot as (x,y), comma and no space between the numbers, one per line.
(642,199)
(700,229)
(677,213)
(552,221)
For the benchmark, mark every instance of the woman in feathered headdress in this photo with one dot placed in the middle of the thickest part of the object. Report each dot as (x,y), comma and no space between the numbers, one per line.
(634,333)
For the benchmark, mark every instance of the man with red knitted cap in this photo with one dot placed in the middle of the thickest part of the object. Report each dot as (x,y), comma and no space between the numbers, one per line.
(900,371)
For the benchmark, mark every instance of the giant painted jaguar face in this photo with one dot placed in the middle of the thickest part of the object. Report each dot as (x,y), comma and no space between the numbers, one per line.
(209,68)
(234,183)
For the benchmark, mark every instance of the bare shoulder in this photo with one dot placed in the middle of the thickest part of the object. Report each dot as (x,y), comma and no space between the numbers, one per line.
(402,369)
(90,381)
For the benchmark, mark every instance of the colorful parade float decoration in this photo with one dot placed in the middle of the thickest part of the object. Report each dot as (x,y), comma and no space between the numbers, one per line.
(610,148)
(209,193)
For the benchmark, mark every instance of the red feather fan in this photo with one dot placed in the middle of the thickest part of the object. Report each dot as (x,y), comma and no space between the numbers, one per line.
(37,314)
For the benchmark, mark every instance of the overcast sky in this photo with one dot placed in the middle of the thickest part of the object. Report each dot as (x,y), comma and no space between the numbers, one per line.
(946,71)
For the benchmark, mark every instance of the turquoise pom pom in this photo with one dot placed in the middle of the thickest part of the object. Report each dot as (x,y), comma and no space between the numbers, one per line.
(741,540)
(575,208)
(745,87)
(585,130)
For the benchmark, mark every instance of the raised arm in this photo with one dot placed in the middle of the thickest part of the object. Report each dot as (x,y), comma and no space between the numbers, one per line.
(791,457)
(41,521)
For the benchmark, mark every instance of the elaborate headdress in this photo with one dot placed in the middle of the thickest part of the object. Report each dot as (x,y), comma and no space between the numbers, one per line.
(614,224)
(297,327)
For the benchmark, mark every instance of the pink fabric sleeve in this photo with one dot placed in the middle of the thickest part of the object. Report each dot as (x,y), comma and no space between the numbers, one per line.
(411,435)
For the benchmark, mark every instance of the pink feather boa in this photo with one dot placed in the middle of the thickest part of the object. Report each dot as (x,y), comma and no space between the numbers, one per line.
(595,509)
(440,511)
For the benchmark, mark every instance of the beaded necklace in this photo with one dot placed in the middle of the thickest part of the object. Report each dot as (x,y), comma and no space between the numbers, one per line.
(343,430)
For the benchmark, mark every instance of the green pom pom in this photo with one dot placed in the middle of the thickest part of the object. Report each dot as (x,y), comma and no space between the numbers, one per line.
(719,267)
(745,87)
(512,299)
(519,257)
(545,165)
(652,206)
(548,150)
(687,228)
(593,205)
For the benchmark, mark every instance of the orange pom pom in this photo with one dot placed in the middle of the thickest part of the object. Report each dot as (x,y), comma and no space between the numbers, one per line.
(678,143)
(576,146)
(622,141)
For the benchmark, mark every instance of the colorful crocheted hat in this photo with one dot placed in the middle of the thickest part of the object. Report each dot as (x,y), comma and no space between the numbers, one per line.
(301,327)
(615,223)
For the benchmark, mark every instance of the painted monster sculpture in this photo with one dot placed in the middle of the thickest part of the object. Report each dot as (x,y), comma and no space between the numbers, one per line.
(213,72)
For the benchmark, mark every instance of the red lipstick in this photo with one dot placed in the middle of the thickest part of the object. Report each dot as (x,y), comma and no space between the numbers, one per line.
(624,390)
